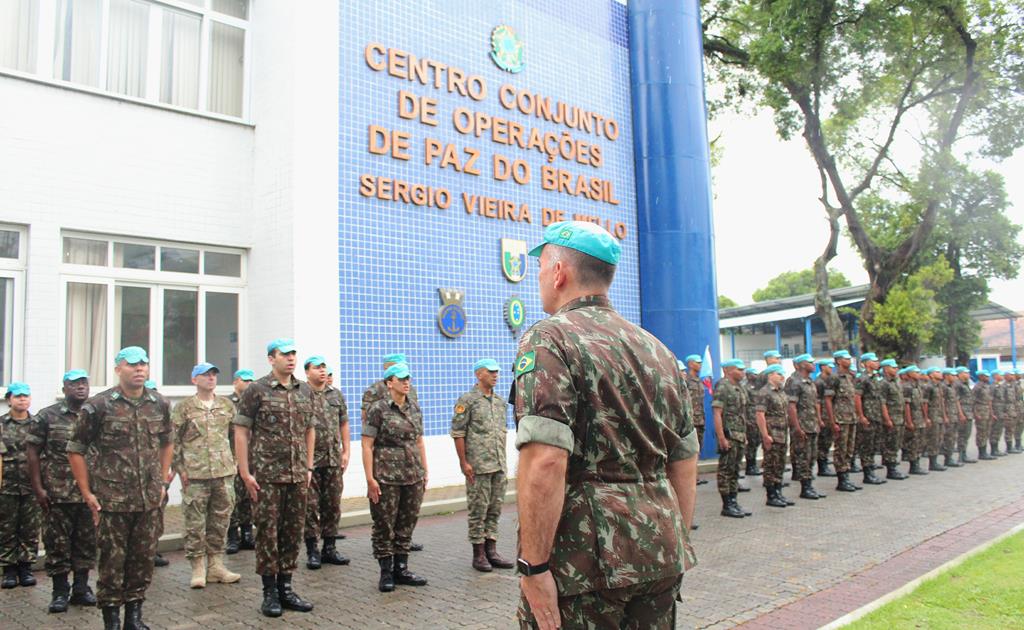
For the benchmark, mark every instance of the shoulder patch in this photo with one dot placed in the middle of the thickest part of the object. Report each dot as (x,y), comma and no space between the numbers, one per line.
(526,363)
(460,408)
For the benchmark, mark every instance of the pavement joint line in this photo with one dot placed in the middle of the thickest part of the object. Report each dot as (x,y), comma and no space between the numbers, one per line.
(910,586)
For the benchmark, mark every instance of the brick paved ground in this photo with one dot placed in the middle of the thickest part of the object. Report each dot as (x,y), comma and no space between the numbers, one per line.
(749,567)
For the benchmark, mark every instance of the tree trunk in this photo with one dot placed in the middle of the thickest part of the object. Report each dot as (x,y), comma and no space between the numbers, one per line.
(823,307)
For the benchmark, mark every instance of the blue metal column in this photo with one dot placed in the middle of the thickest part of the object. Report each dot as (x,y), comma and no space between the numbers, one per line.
(808,340)
(778,338)
(732,343)
(678,292)
(1013,341)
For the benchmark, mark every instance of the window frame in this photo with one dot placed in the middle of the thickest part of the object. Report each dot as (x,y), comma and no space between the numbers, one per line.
(14,269)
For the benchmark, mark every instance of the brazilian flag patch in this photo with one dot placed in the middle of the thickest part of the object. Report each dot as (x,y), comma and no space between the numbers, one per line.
(526,363)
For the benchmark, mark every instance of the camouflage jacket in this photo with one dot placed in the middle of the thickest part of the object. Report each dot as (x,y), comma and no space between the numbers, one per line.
(331,412)
(278,415)
(981,401)
(894,400)
(871,388)
(481,421)
(14,434)
(201,446)
(803,393)
(612,395)
(963,392)
(774,403)
(234,398)
(999,398)
(843,390)
(50,434)
(396,451)
(936,399)
(734,401)
(952,399)
(913,394)
(1016,402)
(126,436)
(752,385)
(696,390)
(379,391)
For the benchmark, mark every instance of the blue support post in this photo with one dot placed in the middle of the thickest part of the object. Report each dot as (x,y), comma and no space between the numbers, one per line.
(807,336)
(1013,341)
(732,342)
(673,179)
(778,337)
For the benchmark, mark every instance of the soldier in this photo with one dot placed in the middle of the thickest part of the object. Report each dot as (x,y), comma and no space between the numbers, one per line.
(917,424)
(729,404)
(805,420)
(935,397)
(598,401)
(870,386)
(206,466)
(963,392)
(395,464)
(240,528)
(843,404)
(20,514)
(825,437)
(1000,404)
(753,383)
(895,416)
(478,428)
(275,415)
(696,388)
(1012,408)
(158,559)
(68,531)
(127,432)
(771,357)
(772,408)
(1018,402)
(954,416)
(981,409)
(323,507)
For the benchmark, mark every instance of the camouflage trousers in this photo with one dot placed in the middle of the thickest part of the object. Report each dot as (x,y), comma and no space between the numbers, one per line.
(729,467)
(20,520)
(949,433)
(242,514)
(206,505)
(644,606)
(775,457)
(845,441)
(753,443)
(982,427)
(914,443)
(802,454)
(323,506)
(963,434)
(995,432)
(867,441)
(394,518)
(126,543)
(935,436)
(280,510)
(892,441)
(69,536)
(484,498)
(1018,429)
(825,439)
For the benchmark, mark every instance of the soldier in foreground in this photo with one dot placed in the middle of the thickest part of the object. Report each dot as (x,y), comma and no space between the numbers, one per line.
(896,418)
(843,405)
(240,528)
(963,390)
(871,387)
(729,404)
(20,514)
(825,437)
(753,382)
(593,385)
(981,409)
(805,418)
(772,409)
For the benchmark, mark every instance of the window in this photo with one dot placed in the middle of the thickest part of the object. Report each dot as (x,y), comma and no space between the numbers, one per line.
(180,302)
(191,54)
(12,298)
(824,346)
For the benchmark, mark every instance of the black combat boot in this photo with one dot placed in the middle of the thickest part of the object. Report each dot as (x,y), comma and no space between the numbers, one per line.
(133,616)
(25,577)
(386,584)
(499,562)
(854,466)
(480,562)
(825,469)
(81,594)
(248,542)
(844,484)
(10,576)
(933,464)
(290,600)
(271,606)
(752,469)
(312,554)
(774,497)
(701,482)
(111,618)
(807,491)
(402,573)
(893,472)
(950,462)
(964,459)
(231,547)
(915,467)
(994,449)
(778,492)
(729,507)
(158,561)
(871,479)
(330,554)
(742,509)
(61,593)
(983,453)
(415,547)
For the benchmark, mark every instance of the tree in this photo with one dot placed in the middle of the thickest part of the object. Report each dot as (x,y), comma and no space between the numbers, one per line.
(905,322)
(726,302)
(790,283)
(887,94)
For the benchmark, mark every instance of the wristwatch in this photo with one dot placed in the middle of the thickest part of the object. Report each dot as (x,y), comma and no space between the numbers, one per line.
(527,569)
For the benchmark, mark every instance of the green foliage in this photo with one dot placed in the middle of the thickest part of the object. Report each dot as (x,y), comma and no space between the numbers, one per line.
(726,302)
(905,321)
(790,283)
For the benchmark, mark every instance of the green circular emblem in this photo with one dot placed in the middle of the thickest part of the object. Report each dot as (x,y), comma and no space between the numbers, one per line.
(506,49)
(515,313)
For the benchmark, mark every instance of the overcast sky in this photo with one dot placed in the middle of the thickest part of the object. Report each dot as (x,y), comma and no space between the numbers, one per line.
(768,218)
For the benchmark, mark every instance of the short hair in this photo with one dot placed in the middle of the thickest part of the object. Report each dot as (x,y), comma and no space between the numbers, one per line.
(590,271)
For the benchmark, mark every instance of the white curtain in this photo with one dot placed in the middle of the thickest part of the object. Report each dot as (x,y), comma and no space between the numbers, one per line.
(179,75)
(76,51)
(227,53)
(128,34)
(85,333)
(18,29)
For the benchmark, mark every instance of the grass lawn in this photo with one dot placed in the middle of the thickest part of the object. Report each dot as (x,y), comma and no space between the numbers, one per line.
(986,591)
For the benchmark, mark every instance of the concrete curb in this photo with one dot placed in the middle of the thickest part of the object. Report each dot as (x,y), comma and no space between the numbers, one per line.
(913,584)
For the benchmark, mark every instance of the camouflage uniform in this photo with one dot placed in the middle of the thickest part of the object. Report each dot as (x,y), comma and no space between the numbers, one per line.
(203,454)
(125,437)
(69,534)
(753,384)
(936,399)
(952,426)
(964,394)
(893,438)
(914,441)
(241,515)
(1000,403)
(278,414)
(803,393)
(610,394)
(825,436)
(20,514)
(981,409)
(774,403)
(1018,403)
(696,390)
(871,387)
(843,389)
(399,472)
(323,507)
(481,420)
(734,401)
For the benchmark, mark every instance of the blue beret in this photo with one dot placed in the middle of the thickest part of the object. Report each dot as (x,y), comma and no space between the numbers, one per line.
(983,373)
(826,361)
(803,358)
(841,354)
(17,388)
(949,371)
(583,236)
(282,345)
(394,358)
(150,384)
(888,363)
(869,356)
(932,370)
(488,364)
(74,375)
(772,354)
(245,375)
(399,370)
(774,369)
(131,355)
(997,372)
(316,361)
(693,357)
(751,370)
(736,363)
(203,368)
(961,369)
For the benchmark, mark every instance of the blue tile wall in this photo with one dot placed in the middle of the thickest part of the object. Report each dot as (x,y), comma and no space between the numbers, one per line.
(393,257)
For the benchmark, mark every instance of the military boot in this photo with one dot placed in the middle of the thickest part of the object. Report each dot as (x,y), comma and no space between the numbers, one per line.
(871,479)
(1017,450)
(248,542)
(133,616)
(983,453)
(480,562)
(742,509)
(844,484)
(915,467)
(386,584)
(25,577)
(81,594)
(217,573)
(198,579)
(729,508)
(854,466)
(158,561)
(330,554)
(778,491)
(290,600)
(497,560)
(10,576)
(893,472)
(807,490)
(402,573)
(231,547)
(312,554)
(61,592)
(825,469)
(271,606)
(111,618)
(964,459)
(752,469)
(933,464)
(774,497)
(951,463)
(994,449)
